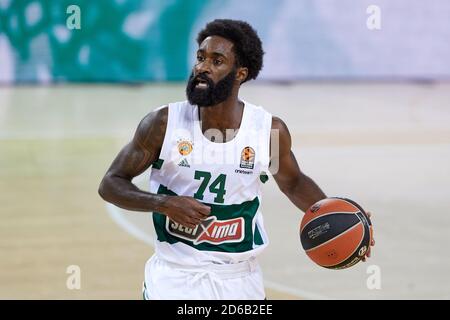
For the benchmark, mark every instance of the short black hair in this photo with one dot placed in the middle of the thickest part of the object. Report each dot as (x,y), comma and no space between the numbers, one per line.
(247,44)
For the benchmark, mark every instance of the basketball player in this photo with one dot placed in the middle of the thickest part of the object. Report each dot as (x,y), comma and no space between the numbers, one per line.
(209,157)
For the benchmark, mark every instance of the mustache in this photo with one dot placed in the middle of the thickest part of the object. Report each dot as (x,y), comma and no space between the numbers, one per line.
(204,77)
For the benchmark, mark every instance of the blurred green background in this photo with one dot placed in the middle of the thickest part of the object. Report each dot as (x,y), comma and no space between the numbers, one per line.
(154,40)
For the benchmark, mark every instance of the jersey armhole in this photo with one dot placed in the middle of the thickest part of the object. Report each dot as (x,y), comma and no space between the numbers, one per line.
(157,164)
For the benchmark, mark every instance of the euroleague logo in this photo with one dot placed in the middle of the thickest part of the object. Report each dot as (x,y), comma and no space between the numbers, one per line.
(247,158)
(211,231)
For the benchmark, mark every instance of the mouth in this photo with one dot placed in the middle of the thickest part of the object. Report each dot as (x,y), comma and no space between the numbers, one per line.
(201,84)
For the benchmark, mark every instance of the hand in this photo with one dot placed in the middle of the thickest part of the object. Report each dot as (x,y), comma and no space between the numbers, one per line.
(186,211)
(372,243)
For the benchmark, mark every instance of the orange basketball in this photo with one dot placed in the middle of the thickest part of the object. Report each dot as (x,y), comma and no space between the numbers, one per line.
(336,233)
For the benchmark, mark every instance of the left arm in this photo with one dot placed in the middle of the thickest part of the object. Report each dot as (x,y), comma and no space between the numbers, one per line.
(298,187)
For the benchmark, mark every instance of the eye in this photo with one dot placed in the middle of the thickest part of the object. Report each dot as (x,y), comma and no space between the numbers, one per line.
(200,59)
(217,62)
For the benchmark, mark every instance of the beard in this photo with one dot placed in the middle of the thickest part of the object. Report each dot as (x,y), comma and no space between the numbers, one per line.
(211,95)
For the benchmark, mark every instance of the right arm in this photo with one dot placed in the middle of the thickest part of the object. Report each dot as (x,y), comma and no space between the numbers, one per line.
(145,147)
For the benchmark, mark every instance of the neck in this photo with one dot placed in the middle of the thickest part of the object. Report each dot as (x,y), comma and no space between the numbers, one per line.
(223,116)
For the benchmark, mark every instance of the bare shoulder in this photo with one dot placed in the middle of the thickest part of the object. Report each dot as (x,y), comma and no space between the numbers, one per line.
(152,129)
(280,125)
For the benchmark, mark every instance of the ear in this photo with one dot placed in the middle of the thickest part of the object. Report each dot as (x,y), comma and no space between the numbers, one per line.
(241,74)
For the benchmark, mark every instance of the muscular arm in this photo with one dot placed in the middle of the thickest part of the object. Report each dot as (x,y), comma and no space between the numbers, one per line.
(117,188)
(132,160)
(298,187)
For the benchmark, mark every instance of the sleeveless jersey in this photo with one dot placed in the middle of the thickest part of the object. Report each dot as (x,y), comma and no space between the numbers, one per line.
(226,176)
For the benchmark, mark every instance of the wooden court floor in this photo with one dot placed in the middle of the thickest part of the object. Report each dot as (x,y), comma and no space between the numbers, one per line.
(57,142)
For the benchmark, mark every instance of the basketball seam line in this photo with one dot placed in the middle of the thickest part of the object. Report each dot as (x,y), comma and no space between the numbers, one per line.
(362,239)
(327,214)
(353,203)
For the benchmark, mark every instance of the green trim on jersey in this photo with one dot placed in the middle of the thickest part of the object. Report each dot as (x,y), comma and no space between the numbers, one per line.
(258,238)
(157,164)
(246,210)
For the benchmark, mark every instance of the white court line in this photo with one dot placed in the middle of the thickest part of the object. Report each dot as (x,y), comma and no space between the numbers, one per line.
(118,217)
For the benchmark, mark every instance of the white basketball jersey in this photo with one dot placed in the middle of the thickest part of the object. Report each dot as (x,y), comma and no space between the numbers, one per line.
(226,176)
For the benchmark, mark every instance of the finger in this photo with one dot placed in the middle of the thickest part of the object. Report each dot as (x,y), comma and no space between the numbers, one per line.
(204,210)
(372,243)
(194,214)
(195,220)
(200,207)
(363,259)
(369,214)
(198,221)
(188,225)
(187,220)
(177,221)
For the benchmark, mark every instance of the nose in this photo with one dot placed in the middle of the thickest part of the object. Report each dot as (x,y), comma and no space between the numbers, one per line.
(203,67)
